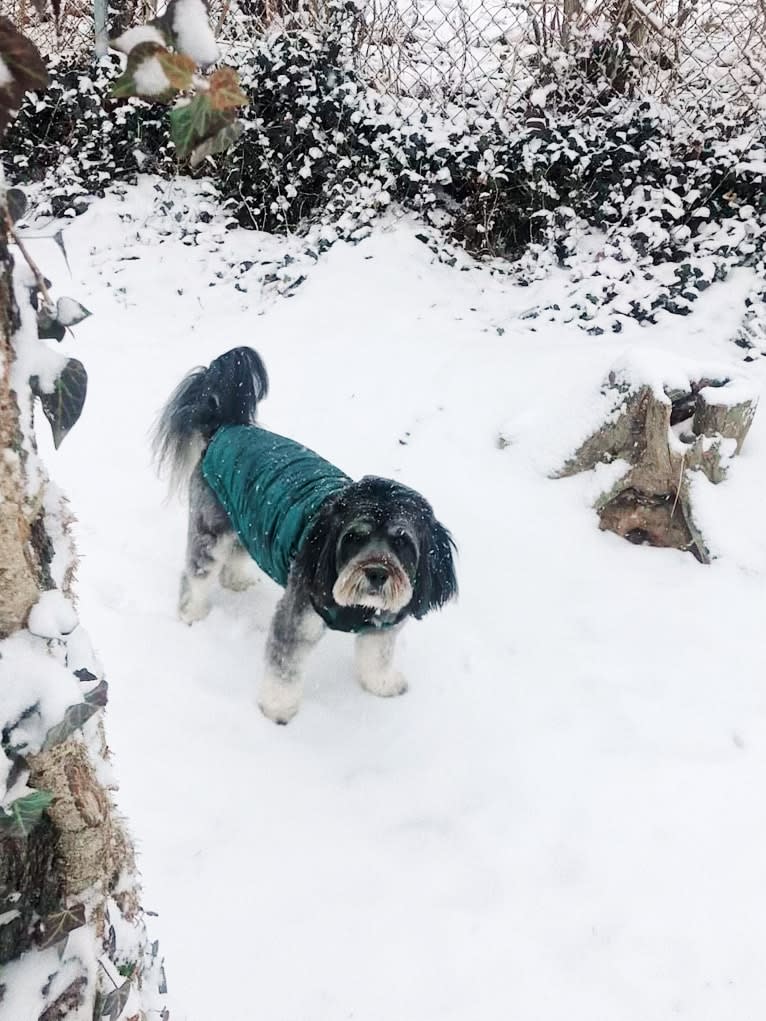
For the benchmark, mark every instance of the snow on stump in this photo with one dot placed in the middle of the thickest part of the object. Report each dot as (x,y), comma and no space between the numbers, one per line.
(656,429)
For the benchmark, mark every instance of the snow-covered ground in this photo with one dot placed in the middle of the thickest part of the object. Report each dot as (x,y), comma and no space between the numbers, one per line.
(564,819)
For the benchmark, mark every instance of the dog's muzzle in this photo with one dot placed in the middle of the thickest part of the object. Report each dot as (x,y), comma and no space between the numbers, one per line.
(379,582)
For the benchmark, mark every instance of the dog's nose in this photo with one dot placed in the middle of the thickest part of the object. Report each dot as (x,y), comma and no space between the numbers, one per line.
(376,576)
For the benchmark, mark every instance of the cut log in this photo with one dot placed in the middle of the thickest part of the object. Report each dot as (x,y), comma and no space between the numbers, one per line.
(664,433)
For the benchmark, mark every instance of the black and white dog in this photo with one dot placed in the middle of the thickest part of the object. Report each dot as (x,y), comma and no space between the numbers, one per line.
(353,556)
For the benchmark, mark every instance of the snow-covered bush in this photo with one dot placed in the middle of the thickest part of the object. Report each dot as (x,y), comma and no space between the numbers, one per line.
(677,194)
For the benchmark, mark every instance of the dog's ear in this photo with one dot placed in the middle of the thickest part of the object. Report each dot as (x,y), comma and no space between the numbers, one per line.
(436,582)
(316,559)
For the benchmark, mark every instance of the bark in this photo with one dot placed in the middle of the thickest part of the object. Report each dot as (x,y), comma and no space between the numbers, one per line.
(664,437)
(79,855)
(19,561)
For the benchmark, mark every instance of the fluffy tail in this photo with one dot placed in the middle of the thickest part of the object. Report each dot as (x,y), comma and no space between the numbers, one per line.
(227,392)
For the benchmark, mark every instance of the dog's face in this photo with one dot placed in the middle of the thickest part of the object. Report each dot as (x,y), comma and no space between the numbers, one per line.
(376,561)
(378,546)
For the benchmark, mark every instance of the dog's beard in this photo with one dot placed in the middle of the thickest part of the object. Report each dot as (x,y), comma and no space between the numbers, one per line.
(353,588)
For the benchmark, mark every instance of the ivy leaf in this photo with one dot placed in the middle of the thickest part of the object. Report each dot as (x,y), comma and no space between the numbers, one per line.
(64,405)
(21,69)
(16,202)
(97,696)
(116,1001)
(75,717)
(196,121)
(24,814)
(225,93)
(219,142)
(48,326)
(70,312)
(179,69)
(57,926)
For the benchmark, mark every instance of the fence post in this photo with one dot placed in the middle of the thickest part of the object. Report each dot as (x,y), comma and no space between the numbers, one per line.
(99,23)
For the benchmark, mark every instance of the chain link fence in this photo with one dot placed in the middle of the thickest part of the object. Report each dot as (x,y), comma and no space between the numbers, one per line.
(494,49)
(484,52)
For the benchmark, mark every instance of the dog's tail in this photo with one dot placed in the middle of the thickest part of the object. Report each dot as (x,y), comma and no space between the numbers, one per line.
(227,392)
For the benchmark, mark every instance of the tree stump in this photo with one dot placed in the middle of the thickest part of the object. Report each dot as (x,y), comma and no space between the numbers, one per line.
(664,432)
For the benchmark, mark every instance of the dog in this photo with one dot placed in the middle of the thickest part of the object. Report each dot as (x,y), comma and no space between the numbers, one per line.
(359,556)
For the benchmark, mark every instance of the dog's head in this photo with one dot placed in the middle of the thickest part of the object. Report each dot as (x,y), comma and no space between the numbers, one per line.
(378,545)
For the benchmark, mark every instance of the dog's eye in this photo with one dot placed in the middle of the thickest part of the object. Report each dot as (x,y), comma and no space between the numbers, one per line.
(401,541)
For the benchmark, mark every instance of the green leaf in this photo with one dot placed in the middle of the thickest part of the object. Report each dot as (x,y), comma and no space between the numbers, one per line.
(57,926)
(75,717)
(219,142)
(195,122)
(24,70)
(24,814)
(64,405)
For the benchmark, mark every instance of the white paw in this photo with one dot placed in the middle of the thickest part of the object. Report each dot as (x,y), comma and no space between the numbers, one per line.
(277,700)
(190,611)
(385,685)
(236,579)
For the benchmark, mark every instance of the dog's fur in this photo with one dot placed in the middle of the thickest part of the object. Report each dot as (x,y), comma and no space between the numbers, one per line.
(375,553)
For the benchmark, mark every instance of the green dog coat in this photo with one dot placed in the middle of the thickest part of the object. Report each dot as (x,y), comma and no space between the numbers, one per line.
(271,488)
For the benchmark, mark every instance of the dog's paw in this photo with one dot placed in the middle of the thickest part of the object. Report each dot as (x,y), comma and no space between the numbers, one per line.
(235,578)
(384,685)
(279,701)
(190,612)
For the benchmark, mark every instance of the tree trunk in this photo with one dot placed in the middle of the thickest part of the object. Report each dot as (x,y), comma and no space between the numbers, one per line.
(71,925)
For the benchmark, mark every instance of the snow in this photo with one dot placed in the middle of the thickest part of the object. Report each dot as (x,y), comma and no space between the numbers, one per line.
(136,35)
(52,616)
(32,680)
(563,817)
(193,34)
(150,78)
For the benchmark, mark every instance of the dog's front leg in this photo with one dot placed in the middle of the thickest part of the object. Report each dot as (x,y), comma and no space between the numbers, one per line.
(295,630)
(374,655)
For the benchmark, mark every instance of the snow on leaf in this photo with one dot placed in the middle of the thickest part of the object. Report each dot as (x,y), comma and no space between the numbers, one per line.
(70,312)
(144,75)
(135,36)
(64,405)
(191,29)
